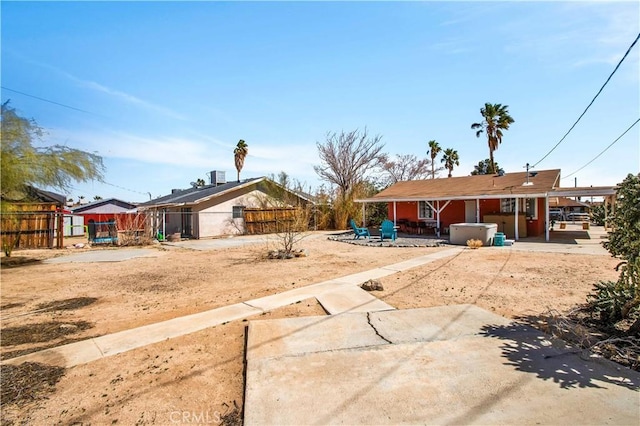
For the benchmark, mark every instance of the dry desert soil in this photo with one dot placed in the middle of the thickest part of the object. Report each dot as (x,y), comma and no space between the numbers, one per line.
(201,374)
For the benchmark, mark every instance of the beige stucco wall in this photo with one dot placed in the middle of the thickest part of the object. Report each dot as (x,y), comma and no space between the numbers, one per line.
(216,220)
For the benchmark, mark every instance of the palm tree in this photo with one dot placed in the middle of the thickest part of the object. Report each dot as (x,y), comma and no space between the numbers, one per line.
(434,150)
(450,159)
(241,151)
(496,119)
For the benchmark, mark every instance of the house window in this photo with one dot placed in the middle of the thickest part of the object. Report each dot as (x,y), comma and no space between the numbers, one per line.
(424,210)
(529,206)
(238,212)
(507,205)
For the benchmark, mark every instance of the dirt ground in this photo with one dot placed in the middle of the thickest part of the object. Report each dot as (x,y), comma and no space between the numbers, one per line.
(198,378)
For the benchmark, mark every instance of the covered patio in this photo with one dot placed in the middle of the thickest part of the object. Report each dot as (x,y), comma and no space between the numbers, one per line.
(518,202)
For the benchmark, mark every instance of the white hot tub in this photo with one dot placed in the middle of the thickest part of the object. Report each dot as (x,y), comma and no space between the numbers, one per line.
(459,233)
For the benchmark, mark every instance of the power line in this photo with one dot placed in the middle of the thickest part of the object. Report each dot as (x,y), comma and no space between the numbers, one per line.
(592,101)
(126,189)
(115,186)
(47,100)
(604,150)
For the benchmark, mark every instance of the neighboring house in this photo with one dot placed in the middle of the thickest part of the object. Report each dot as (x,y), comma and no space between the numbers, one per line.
(218,208)
(567,205)
(107,220)
(32,220)
(517,202)
(105,210)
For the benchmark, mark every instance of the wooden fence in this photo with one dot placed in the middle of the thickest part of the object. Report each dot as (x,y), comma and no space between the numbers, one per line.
(32,226)
(269,220)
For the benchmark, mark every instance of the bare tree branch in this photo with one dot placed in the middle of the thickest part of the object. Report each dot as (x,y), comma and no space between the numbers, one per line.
(347,157)
(405,167)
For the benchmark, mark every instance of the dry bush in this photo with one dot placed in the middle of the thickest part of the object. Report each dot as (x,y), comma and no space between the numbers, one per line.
(474,244)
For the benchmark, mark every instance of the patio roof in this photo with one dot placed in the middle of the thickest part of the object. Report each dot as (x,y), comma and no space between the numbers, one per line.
(509,185)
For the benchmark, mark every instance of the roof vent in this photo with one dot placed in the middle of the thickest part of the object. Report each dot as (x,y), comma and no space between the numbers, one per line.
(173,191)
(500,172)
(217,177)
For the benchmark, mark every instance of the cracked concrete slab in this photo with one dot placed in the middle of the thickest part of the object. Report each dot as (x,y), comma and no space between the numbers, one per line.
(483,370)
(441,323)
(297,336)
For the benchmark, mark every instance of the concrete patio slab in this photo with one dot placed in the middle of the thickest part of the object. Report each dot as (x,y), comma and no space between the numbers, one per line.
(492,373)
(430,324)
(297,336)
(118,255)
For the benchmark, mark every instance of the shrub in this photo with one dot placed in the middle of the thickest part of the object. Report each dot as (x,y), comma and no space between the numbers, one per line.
(474,244)
(620,300)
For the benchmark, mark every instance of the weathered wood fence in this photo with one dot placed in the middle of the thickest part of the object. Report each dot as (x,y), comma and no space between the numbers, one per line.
(32,226)
(269,220)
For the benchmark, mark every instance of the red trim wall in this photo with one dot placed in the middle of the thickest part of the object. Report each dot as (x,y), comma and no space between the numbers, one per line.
(455,213)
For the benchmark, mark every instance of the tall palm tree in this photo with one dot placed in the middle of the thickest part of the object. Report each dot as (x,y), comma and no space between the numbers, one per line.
(450,159)
(433,151)
(496,119)
(241,151)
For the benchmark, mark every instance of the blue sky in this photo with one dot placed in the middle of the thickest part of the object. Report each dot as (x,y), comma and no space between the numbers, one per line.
(167,89)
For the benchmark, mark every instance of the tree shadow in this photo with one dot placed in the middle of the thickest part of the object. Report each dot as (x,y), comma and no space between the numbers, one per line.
(531,351)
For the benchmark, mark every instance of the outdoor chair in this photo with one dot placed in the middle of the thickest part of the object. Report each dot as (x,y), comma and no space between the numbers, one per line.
(359,232)
(388,229)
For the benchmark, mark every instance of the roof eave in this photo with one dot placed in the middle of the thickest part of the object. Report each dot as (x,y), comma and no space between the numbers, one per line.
(457,197)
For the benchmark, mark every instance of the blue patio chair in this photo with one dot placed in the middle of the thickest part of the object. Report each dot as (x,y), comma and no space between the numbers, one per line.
(359,232)
(387,229)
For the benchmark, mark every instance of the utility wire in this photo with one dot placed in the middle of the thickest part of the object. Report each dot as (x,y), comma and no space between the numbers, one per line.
(604,150)
(127,189)
(592,101)
(47,100)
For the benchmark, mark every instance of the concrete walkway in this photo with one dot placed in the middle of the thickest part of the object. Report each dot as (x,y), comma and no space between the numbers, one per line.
(114,255)
(336,296)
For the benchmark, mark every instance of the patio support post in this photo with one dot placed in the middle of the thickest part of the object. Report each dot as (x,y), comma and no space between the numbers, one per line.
(394,213)
(546,217)
(517,236)
(438,218)
(477,210)
(364,220)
